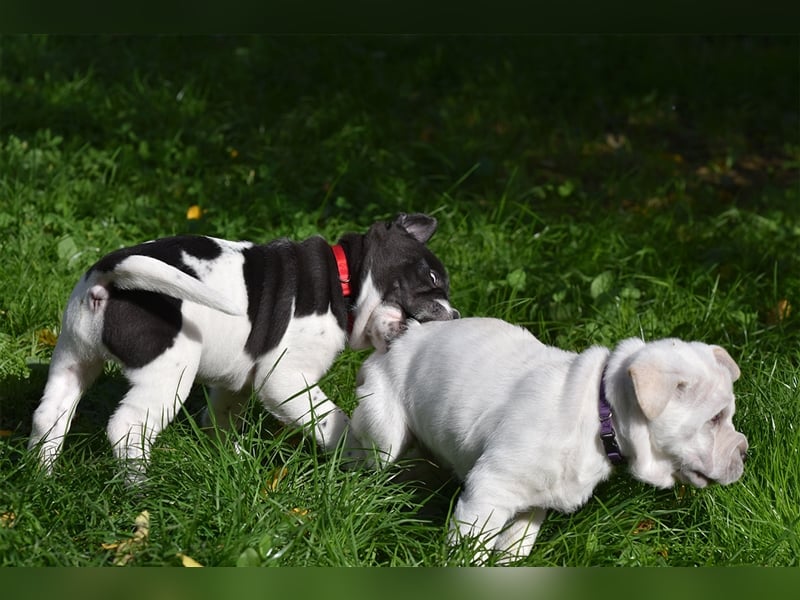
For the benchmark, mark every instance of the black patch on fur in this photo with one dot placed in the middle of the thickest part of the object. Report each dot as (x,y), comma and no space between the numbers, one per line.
(168,250)
(139,326)
(282,271)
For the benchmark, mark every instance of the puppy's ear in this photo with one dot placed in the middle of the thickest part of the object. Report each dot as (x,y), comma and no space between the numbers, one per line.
(653,386)
(724,359)
(420,226)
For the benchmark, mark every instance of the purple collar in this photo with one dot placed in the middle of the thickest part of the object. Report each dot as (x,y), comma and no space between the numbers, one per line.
(607,435)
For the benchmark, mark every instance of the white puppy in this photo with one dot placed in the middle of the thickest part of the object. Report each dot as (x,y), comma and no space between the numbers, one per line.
(529,427)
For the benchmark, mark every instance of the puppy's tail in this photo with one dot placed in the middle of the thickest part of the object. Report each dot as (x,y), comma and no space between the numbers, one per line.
(138,272)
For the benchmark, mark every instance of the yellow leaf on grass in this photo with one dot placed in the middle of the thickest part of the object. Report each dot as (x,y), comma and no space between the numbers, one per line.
(300,512)
(7,519)
(188,561)
(277,475)
(126,549)
(6,433)
(46,337)
(194,212)
(645,525)
(780,312)
(616,141)
(142,523)
(123,558)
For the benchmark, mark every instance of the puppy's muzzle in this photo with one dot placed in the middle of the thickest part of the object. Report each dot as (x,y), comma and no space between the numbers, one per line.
(436,311)
(743,447)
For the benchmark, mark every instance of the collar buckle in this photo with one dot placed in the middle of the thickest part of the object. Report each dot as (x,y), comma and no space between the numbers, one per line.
(612,448)
(344,271)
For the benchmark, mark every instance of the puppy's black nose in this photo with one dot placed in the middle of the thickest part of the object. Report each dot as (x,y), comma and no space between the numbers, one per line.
(456,314)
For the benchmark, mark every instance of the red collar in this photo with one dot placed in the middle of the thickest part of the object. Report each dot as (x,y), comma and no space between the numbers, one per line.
(344,272)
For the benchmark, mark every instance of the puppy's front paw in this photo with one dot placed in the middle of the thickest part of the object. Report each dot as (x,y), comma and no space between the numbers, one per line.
(385,324)
(394,329)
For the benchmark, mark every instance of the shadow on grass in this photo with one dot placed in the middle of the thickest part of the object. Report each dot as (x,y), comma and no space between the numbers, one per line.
(20,398)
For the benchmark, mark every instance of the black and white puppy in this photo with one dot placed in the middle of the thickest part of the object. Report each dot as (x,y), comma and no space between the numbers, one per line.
(266,319)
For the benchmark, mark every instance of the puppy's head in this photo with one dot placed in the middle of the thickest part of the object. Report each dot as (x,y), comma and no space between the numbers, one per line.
(402,280)
(685,393)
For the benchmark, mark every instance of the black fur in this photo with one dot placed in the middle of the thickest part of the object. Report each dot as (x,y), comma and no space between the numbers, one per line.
(139,326)
(280,271)
(409,284)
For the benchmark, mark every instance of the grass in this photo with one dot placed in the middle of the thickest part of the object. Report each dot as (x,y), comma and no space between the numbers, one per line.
(589,188)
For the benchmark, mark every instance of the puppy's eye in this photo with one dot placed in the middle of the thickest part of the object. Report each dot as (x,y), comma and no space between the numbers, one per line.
(434,278)
(717,418)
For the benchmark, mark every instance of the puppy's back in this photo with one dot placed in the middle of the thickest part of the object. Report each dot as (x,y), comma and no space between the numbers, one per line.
(454,379)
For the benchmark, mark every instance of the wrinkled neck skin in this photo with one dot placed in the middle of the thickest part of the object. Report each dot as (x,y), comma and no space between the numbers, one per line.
(633,435)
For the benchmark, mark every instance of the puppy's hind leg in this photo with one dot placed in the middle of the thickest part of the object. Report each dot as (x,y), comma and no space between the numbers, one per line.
(157,391)
(76,362)
(68,378)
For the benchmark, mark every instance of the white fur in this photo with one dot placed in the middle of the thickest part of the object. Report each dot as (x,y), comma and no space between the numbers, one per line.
(369,300)
(517,421)
(138,272)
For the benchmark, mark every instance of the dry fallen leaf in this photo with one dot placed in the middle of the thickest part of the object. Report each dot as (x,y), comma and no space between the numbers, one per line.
(126,549)
(780,312)
(277,475)
(616,141)
(188,561)
(7,519)
(142,523)
(46,337)
(645,525)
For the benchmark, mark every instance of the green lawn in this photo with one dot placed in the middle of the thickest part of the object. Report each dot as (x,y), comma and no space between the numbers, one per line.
(589,188)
